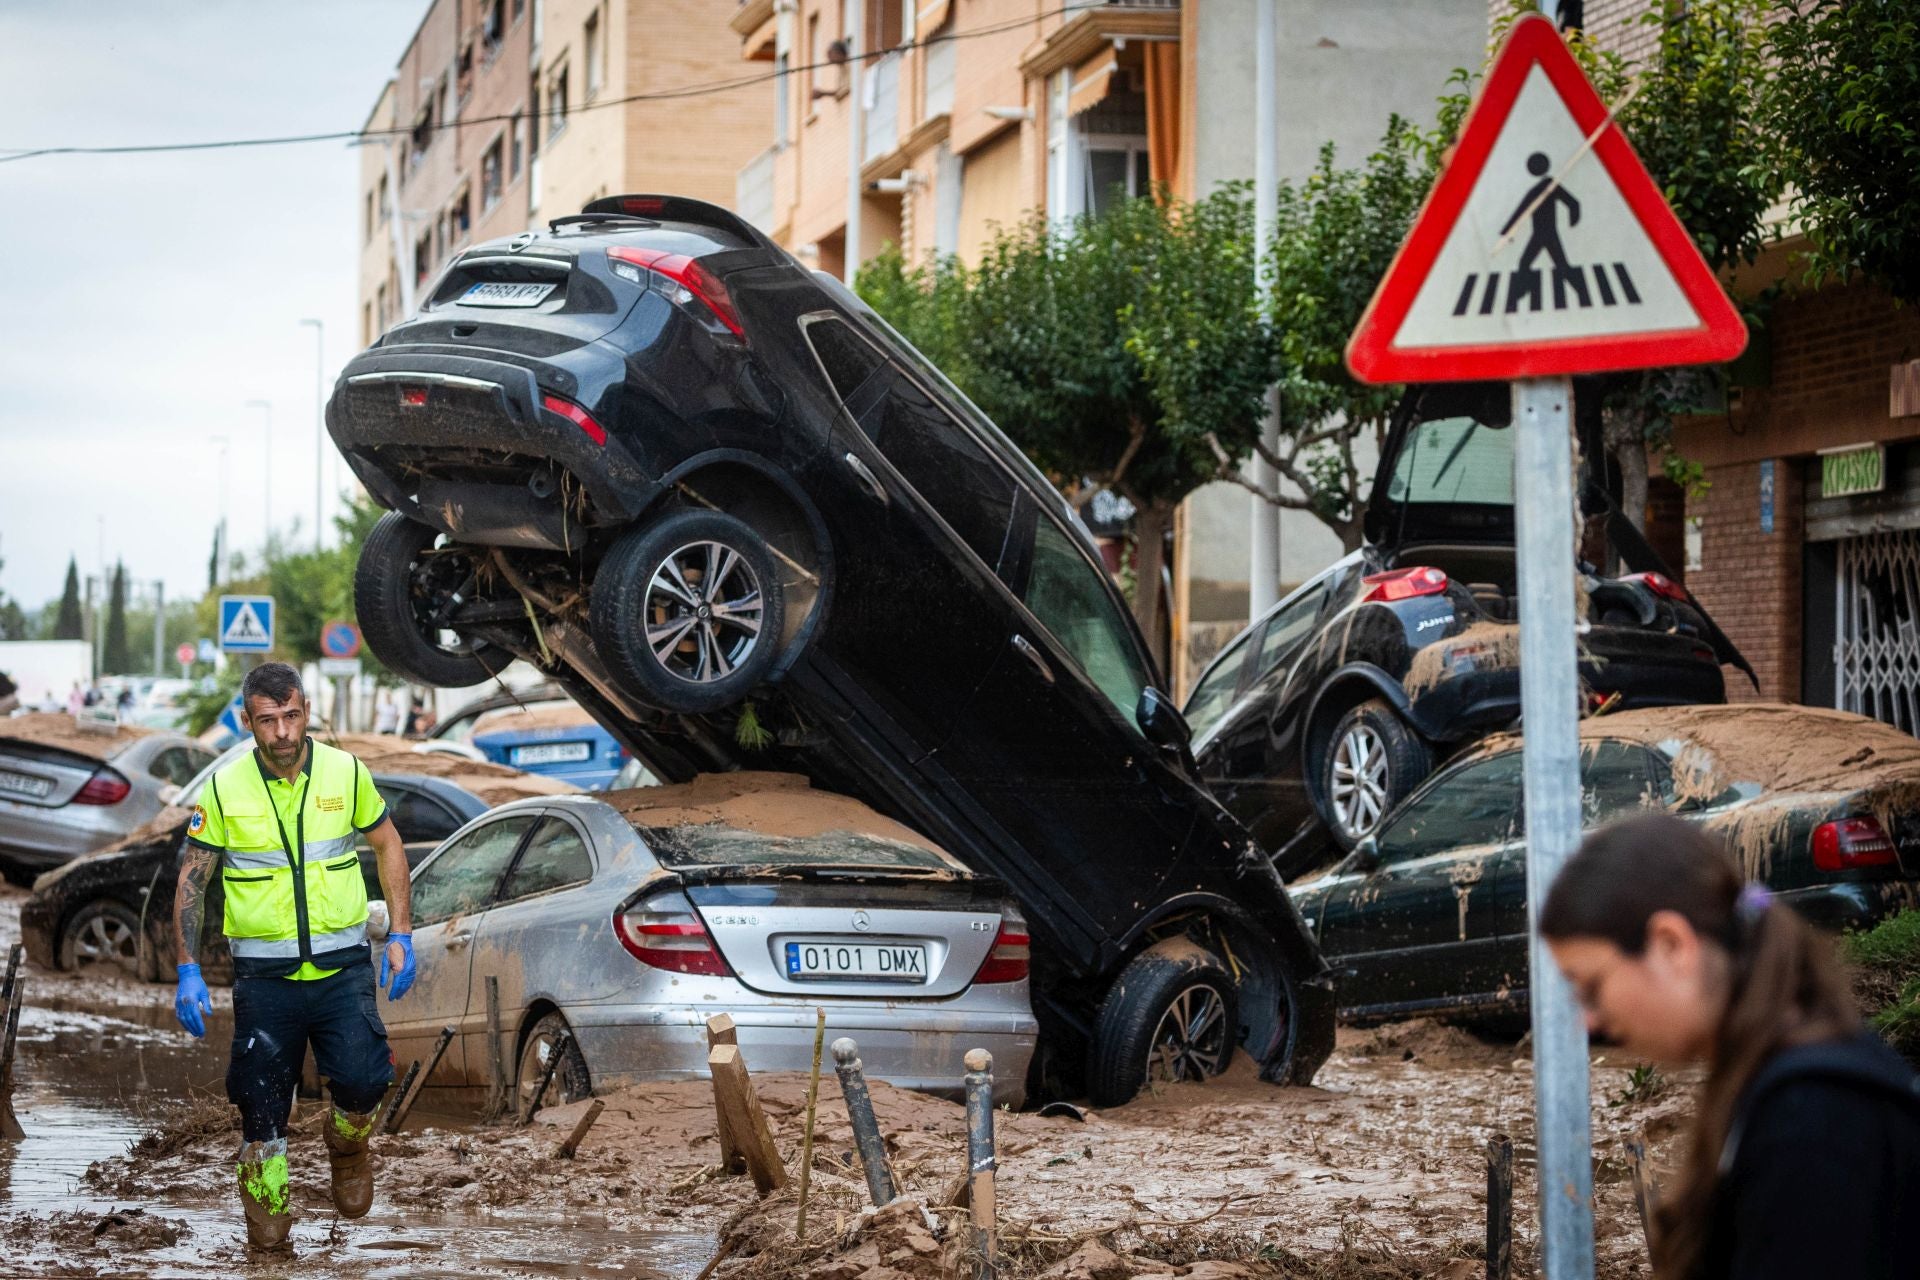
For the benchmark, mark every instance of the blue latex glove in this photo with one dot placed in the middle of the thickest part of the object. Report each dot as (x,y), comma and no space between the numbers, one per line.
(191,1001)
(403,976)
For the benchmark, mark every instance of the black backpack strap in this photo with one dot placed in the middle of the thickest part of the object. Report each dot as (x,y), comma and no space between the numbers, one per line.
(1863,1064)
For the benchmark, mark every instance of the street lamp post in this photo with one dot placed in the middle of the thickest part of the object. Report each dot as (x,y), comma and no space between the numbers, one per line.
(266,486)
(319,417)
(220,540)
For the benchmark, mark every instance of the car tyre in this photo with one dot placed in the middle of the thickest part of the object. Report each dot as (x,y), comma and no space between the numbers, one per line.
(1172,1014)
(570,1080)
(1373,762)
(396,585)
(102,932)
(687,611)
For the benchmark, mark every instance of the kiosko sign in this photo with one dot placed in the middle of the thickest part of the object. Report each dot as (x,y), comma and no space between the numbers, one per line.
(1544,247)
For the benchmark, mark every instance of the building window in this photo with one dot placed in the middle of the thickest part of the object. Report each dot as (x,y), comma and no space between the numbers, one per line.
(516,147)
(380,307)
(385,206)
(421,138)
(464,79)
(816,60)
(494,26)
(557,102)
(368,237)
(423,257)
(591,40)
(884,25)
(1115,169)
(492,165)
(459,219)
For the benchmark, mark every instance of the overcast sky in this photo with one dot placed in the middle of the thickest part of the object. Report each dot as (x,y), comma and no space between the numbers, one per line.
(148,298)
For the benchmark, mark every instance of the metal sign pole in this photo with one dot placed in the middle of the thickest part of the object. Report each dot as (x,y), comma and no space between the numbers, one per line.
(1550,711)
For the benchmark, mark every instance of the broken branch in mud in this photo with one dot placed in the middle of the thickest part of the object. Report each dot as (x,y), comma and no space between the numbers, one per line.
(405,1104)
(571,1146)
(561,1046)
(1646,1195)
(9,1123)
(406,1083)
(813,1099)
(733,1094)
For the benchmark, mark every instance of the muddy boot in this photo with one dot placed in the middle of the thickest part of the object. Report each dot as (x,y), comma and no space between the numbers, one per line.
(352,1165)
(263,1193)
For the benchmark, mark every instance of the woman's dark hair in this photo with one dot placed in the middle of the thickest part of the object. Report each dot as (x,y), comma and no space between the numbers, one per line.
(1784,985)
(275,681)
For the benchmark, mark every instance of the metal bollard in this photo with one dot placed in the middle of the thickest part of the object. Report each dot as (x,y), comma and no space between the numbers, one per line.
(866,1129)
(980,1160)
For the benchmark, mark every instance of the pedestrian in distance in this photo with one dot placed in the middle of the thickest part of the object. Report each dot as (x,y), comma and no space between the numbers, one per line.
(1804,1155)
(281,826)
(386,714)
(76,700)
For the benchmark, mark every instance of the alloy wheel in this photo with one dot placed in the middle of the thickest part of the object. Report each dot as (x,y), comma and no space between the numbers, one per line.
(105,940)
(704,608)
(1360,780)
(1192,1041)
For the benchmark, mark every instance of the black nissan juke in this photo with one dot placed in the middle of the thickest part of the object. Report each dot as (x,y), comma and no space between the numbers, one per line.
(722,503)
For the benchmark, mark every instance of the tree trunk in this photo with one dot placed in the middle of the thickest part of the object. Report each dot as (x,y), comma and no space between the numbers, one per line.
(1150,527)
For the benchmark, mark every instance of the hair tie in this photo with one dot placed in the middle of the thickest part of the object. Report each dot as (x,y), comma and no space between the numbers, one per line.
(1752,904)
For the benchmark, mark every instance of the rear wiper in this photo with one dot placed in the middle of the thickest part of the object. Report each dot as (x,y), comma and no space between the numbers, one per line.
(1451,457)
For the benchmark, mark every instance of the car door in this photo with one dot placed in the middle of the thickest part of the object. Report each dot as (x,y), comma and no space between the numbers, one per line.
(450,890)
(1425,926)
(532,940)
(917,511)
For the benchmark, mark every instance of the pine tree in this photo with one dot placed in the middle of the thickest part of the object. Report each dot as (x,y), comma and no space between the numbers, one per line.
(69,625)
(213,562)
(114,659)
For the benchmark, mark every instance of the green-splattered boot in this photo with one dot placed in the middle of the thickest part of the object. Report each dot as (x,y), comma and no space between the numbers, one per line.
(347,1137)
(263,1193)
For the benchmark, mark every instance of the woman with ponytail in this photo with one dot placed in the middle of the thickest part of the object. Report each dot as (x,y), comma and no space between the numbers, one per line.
(1804,1158)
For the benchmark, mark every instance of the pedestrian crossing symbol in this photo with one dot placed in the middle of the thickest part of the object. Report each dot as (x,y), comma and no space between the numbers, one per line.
(1544,248)
(246,624)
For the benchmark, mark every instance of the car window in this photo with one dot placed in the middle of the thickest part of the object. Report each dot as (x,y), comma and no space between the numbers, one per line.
(197,760)
(1214,694)
(846,358)
(1451,460)
(1292,624)
(554,858)
(463,876)
(419,817)
(1064,591)
(955,473)
(175,765)
(1614,782)
(1469,806)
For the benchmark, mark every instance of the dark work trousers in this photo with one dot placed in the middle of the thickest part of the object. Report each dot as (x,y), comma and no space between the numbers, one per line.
(273,1021)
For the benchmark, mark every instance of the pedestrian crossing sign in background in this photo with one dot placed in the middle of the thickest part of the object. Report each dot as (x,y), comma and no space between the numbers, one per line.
(1544,247)
(246,624)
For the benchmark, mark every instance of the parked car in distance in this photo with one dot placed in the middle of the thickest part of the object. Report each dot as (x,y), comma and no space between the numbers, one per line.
(458,724)
(631,917)
(747,525)
(1329,709)
(96,909)
(1430,914)
(70,785)
(556,740)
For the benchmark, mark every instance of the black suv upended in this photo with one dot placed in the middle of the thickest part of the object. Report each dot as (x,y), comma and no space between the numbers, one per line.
(741,520)
(1329,710)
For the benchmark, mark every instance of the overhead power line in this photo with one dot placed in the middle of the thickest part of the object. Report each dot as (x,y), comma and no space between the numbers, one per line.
(9,155)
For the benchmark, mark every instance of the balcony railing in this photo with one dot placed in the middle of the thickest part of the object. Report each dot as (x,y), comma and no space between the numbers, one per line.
(753,190)
(883,109)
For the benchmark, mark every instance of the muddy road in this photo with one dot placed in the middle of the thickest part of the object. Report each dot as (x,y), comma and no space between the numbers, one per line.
(1377,1171)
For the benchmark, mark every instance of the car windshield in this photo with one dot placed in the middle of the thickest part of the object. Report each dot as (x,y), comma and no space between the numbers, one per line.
(1455,460)
(717,847)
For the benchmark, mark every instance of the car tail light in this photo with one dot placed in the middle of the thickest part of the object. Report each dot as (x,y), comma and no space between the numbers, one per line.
(1851,843)
(642,205)
(693,281)
(576,415)
(106,786)
(673,940)
(413,397)
(1661,585)
(1010,957)
(1404,584)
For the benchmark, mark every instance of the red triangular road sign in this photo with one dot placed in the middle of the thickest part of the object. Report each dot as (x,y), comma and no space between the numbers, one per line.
(1536,255)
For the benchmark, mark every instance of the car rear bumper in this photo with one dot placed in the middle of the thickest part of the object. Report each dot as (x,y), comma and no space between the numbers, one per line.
(909,1048)
(41,837)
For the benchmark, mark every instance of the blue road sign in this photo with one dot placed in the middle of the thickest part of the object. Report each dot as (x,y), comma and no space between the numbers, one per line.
(246,624)
(207,652)
(340,640)
(230,718)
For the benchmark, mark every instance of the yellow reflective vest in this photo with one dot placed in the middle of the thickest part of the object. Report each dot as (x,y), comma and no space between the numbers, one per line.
(289,864)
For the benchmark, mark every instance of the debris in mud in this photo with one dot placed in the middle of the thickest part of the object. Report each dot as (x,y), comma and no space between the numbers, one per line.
(1484,646)
(120,1230)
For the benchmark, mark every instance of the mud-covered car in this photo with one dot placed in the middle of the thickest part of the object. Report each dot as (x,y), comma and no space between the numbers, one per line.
(1430,914)
(1328,710)
(116,906)
(735,515)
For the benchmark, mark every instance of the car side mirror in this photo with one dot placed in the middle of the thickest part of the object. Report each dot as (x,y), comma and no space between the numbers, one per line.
(377,922)
(1365,858)
(1161,721)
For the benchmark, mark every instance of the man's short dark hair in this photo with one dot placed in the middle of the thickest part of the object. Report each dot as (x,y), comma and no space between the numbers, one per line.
(275,681)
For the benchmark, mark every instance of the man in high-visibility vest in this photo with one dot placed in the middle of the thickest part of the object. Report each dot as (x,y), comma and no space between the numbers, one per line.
(282,825)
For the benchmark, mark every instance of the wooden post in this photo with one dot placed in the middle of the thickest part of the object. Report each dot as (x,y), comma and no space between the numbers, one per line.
(733,1094)
(571,1146)
(866,1129)
(496,1067)
(1646,1196)
(721,1030)
(405,1104)
(1499,1207)
(562,1045)
(393,1107)
(14,953)
(9,1123)
(813,1098)
(980,1161)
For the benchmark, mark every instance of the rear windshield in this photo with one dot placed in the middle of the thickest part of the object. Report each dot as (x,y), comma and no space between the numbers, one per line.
(681,848)
(1453,460)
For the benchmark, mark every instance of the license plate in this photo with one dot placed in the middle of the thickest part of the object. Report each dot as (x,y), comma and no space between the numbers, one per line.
(835,958)
(551,753)
(21,784)
(498,294)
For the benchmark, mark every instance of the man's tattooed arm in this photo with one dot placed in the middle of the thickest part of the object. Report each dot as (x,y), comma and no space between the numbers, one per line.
(190,900)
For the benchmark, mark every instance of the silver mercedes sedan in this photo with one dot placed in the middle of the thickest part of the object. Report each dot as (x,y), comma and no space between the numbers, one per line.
(632,917)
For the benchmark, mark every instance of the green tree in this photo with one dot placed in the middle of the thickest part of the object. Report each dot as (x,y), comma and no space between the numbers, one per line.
(69,625)
(113,656)
(1843,109)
